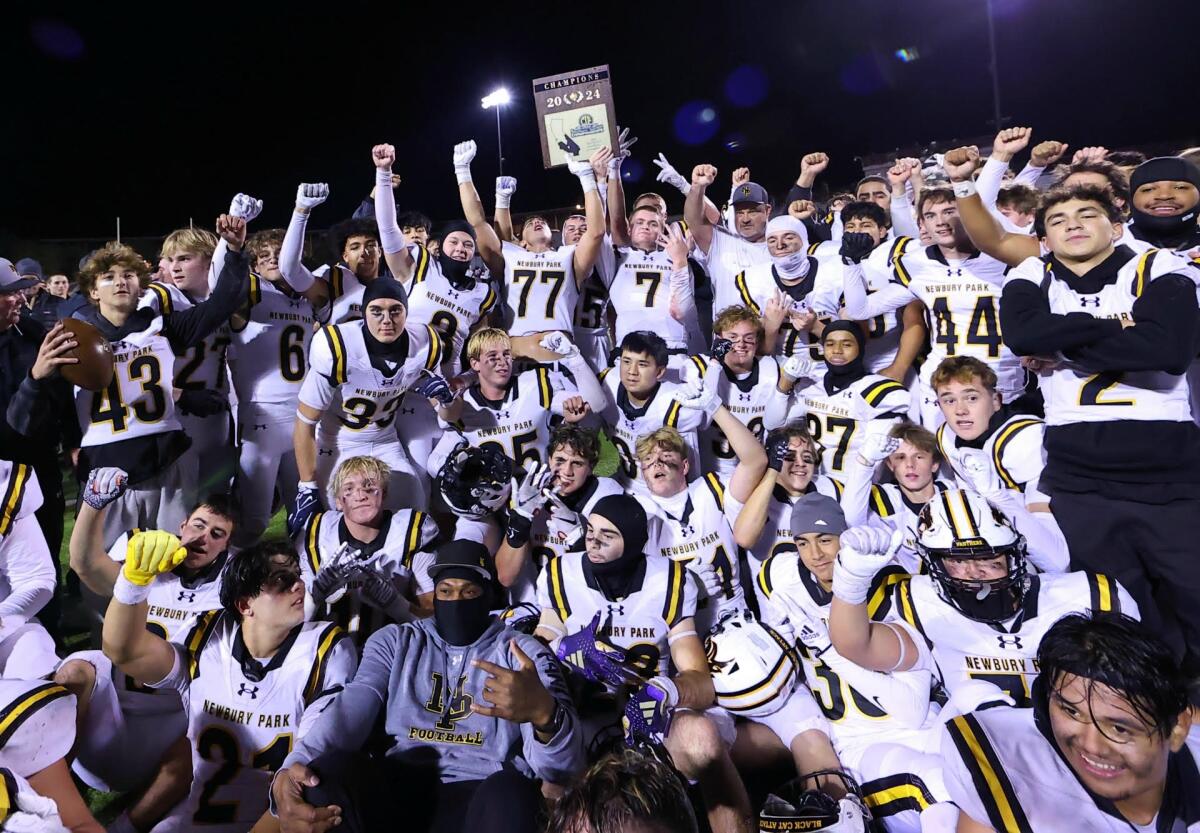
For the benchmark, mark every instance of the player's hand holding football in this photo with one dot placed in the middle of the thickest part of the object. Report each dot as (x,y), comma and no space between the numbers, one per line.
(295,814)
(865,550)
(53,353)
(517,696)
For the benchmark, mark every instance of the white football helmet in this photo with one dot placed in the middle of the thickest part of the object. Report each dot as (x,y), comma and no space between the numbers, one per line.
(754,669)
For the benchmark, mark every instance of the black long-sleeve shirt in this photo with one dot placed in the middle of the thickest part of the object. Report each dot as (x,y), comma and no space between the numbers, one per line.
(33,428)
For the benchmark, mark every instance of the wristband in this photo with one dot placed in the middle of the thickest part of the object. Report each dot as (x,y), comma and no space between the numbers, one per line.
(462,174)
(128,593)
(519,526)
(848,587)
(307,486)
(503,200)
(964,189)
(588,180)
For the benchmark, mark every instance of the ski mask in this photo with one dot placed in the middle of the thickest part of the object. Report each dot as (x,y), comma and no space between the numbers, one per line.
(397,350)
(1165,231)
(839,377)
(462,621)
(628,516)
(796,264)
(455,271)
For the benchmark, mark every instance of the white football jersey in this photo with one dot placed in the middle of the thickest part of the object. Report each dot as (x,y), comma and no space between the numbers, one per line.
(202,367)
(960,649)
(139,401)
(728,254)
(640,294)
(243,720)
(404,539)
(345,293)
(541,289)
(838,421)
(746,399)
(1013,452)
(640,623)
(20,494)
(692,525)
(356,397)
(819,289)
(37,726)
(888,502)
(963,300)
(451,311)
(269,355)
(1074,394)
(626,424)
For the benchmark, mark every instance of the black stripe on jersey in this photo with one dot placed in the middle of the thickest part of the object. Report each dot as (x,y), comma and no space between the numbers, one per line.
(1143,274)
(8,793)
(164,299)
(744,291)
(718,491)
(412,538)
(338,348)
(316,677)
(1104,593)
(255,289)
(201,631)
(1002,441)
(764,579)
(543,380)
(838,488)
(698,361)
(489,302)
(29,704)
(876,391)
(435,350)
(991,783)
(18,479)
(671,420)
(906,608)
(311,538)
(558,591)
(895,258)
(336,287)
(422,268)
(673,607)
(882,586)
(896,793)
(881,503)
(812,247)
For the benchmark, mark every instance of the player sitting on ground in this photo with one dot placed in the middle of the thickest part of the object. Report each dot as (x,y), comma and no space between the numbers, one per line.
(27,577)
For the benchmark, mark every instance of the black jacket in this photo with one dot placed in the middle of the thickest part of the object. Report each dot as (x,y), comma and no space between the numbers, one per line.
(33,427)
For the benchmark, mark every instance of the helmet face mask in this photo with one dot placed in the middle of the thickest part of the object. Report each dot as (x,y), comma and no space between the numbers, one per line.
(475,482)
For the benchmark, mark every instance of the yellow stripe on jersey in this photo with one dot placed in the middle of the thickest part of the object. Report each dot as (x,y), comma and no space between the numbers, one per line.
(673,608)
(164,299)
(838,488)
(896,258)
(336,287)
(907,610)
(958,513)
(1142,276)
(558,593)
(940,435)
(764,579)
(744,291)
(27,705)
(671,420)
(1006,435)
(1104,594)
(8,793)
(488,302)
(332,636)
(877,391)
(812,247)
(422,266)
(992,785)
(882,587)
(18,479)
(698,361)
(255,289)
(311,536)
(435,350)
(896,793)
(543,381)
(757,696)
(881,503)
(338,348)
(201,631)
(412,538)
(683,227)
(718,491)
(603,373)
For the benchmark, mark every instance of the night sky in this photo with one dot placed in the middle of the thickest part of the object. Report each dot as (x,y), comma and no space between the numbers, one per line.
(161,116)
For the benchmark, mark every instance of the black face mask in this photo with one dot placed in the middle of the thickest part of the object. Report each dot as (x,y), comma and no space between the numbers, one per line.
(1166,232)
(839,377)
(462,621)
(455,271)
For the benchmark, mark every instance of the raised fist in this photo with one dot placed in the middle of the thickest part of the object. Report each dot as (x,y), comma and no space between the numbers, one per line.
(899,173)
(311,194)
(233,231)
(1089,155)
(741,176)
(1047,153)
(464,152)
(1010,141)
(245,206)
(960,163)
(383,156)
(704,175)
(814,163)
(802,209)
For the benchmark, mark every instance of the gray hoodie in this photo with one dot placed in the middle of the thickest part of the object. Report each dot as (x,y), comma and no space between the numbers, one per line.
(403,672)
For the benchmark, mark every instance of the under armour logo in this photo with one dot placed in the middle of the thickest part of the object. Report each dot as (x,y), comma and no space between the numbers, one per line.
(687,531)
(453,294)
(616,610)
(258,427)
(1010,642)
(408,410)
(953,273)
(251,690)
(505,415)
(1089,302)
(744,397)
(185,596)
(328,451)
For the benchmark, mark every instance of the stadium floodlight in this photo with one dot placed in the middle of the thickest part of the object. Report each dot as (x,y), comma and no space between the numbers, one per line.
(495,100)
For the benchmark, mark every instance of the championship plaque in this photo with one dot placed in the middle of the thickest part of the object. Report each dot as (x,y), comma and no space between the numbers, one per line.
(575,115)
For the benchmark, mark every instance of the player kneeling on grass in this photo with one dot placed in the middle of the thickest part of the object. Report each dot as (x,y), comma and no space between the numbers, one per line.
(473,712)
(252,675)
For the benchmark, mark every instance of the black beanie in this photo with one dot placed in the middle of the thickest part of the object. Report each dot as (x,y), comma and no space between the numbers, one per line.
(628,516)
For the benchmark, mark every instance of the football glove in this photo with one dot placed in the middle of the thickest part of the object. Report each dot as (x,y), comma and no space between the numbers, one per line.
(150,554)
(865,550)
(307,503)
(856,245)
(104,486)
(432,386)
(309,195)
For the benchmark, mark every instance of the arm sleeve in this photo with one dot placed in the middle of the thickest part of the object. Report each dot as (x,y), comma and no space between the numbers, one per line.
(29,570)
(217,263)
(293,271)
(988,183)
(36,402)
(561,757)
(863,307)
(390,236)
(776,413)
(856,494)
(683,297)
(1030,175)
(188,327)
(177,678)
(903,222)
(1031,329)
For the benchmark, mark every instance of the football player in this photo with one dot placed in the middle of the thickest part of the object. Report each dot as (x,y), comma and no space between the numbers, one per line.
(358,374)
(976,615)
(648,605)
(132,424)
(361,552)
(876,720)
(252,675)
(27,577)
(547,511)
(998,454)
(591,331)
(1106,745)
(267,360)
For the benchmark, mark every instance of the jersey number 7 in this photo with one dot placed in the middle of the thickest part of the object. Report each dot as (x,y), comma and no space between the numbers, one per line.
(553,277)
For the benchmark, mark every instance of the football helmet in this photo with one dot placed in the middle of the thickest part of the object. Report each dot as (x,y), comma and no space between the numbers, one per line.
(754,669)
(801,804)
(475,482)
(960,526)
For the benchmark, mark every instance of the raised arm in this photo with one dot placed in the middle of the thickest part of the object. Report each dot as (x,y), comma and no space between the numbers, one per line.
(89,559)
(752,459)
(985,230)
(904,223)
(188,327)
(506,186)
(308,197)
(395,248)
(914,335)
(693,206)
(588,248)
(472,206)
(750,521)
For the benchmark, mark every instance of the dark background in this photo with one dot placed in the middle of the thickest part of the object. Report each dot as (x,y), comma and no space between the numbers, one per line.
(163,114)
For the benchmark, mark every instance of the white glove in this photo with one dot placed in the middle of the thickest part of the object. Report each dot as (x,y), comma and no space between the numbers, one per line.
(708,577)
(564,516)
(670,176)
(529,497)
(464,152)
(311,194)
(865,550)
(876,448)
(558,343)
(799,367)
(104,486)
(506,186)
(245,206)
(697,396)
(583,170)
(668,687)
(975,469)
(624,143)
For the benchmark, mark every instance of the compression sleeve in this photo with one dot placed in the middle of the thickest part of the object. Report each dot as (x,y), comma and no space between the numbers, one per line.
(293,271)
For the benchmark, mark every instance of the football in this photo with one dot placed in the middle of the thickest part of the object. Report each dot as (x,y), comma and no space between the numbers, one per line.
(95,368)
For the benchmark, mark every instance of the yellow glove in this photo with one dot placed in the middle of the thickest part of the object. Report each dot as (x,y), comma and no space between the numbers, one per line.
(150,554)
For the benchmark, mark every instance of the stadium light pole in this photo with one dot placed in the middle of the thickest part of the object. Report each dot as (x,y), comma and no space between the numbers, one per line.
(494,101)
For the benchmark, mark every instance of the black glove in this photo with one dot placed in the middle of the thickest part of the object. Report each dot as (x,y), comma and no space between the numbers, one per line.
(721,348)
(202,402)
(855,246)
(519,529)
(779,451)
(434,387)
